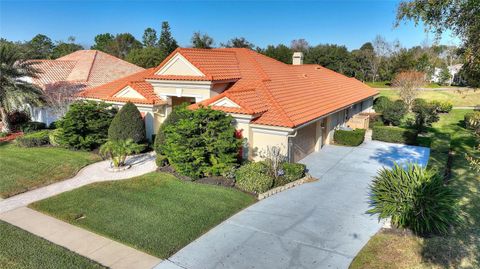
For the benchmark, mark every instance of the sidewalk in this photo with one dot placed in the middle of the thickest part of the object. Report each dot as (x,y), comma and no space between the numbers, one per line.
(95,247)
(97,172)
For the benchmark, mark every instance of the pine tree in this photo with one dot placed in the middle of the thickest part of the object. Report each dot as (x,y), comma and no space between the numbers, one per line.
(166,42)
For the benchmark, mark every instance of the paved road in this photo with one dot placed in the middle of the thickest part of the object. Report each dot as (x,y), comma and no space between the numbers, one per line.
(316,225)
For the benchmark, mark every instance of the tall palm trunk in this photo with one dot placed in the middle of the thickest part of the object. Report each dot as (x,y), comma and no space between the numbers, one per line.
(5,123)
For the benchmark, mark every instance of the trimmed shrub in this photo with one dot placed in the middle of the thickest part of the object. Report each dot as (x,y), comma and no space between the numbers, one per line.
(32,126)
(394,135)
(172,118)
(472,120)
(85,126)
(394,112)
(414,198)
(201,143)
(293,171)
(54,137)
(161,160)
(442,107)
(252,177)
(425,114)
(381,103)
(349,138)
(127,124)
(34,139)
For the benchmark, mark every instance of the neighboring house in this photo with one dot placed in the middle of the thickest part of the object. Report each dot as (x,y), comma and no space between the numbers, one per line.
(296,107)
(454,76)
(76,71)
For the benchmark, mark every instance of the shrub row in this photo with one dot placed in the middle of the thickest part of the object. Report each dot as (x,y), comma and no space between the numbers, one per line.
(32,126)
(349,138)
(394,134)
(442,107)
(472,120)
(34,139)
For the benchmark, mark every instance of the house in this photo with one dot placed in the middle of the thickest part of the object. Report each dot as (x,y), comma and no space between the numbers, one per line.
(296,107)
(76,71)
(454,75)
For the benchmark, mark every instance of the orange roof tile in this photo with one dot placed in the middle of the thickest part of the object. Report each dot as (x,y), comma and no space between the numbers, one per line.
(279,94)
(88,68)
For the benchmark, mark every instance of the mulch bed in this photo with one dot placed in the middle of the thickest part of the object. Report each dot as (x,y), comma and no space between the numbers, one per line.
(10,137)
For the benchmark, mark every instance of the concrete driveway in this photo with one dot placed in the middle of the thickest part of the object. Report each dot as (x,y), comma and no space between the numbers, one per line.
(316,225)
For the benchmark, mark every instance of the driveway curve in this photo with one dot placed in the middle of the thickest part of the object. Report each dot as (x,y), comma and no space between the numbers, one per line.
(316,225)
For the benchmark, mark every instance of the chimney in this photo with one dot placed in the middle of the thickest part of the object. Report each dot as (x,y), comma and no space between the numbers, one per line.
(297,58)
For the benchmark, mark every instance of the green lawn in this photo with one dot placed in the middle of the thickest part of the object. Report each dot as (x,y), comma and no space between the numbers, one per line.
(467,97)
(460,249)
(22,169)
(20,249)
(388,84)
(155,213)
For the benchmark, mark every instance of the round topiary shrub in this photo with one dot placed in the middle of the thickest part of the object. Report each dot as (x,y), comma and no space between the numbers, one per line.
(414,198)
(381,103)
(252,177)
(127,124)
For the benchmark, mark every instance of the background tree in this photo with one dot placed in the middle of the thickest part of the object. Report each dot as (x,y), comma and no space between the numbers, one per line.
(238,42)
(64,48)
(127,124)
(300,45)
(40,47)
(104,42)
(150,38)
(462,17)
(15,92)
(408,83)
(280,52)
(146,57)
(444,76)
(334,57)
(201,41)
(166,42)
(124,43)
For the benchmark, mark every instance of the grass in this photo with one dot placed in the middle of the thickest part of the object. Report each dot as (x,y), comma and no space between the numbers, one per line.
(461,248)
(388,84)
(20,249)
(23,169)
(467,97)
(156,213)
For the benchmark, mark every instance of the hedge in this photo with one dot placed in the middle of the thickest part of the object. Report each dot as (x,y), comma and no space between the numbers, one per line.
(394,135)
(293,171)
(35,139)
(349,138)
(32,126)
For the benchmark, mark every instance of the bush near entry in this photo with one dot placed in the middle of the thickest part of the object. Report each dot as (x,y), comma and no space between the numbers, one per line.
(201,142)
(349,138)
(252,177)
(127,124)
(34,139)
(414,198)
(85,126)
(394,134)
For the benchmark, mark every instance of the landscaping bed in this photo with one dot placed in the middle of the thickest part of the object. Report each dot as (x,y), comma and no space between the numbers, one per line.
(23,169)
(20,249)
(155,213)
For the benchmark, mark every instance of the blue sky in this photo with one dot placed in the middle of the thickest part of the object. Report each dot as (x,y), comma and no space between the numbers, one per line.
(349,23)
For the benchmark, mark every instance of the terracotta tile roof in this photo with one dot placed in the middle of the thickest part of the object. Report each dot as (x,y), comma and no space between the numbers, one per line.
(214,64)
(277,94)
(136,81)
(88,68)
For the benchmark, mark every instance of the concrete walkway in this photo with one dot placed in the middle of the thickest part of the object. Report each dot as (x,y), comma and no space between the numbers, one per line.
(97,172)
(100,249)
(316,225)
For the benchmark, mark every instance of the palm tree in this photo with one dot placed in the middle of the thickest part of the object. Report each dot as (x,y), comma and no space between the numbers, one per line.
(119,150)
(15,91)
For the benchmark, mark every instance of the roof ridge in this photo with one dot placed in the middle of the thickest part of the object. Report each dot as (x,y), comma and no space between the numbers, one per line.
(275,103)
(91,66)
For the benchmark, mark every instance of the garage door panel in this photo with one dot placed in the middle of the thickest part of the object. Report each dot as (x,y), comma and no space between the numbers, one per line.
(304,142)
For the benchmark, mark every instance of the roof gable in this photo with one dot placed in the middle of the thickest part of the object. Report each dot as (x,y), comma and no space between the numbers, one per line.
(179,66)
(225,102)
(129,92)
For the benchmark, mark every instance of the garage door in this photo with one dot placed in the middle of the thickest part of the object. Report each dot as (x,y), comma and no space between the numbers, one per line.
(304,143)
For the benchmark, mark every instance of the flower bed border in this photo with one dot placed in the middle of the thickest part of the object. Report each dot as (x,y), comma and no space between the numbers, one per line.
(307,178)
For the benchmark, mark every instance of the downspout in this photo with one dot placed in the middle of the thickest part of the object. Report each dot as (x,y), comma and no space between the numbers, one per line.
(290,144)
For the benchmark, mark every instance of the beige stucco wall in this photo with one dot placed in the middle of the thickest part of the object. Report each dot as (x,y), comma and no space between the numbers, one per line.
(179,67)
(262,140)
